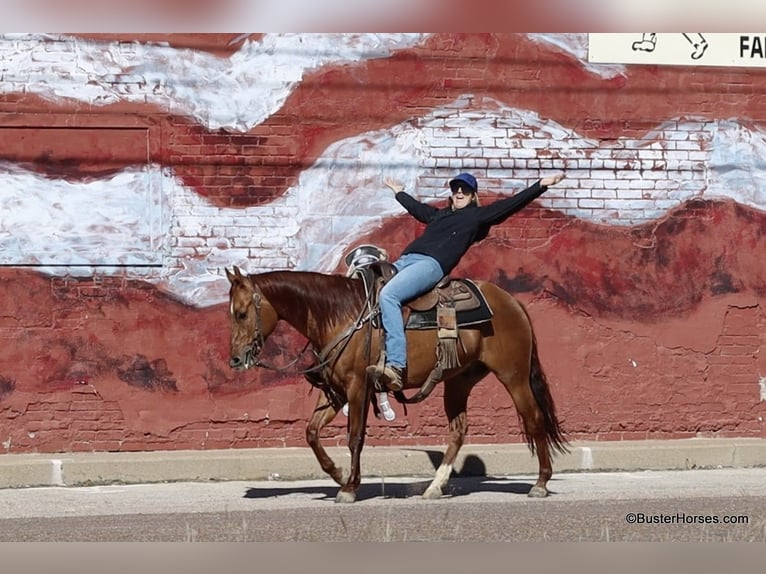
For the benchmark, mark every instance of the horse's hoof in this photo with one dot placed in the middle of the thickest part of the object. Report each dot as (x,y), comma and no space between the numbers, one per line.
(538,492)
(432,493)
(345,497)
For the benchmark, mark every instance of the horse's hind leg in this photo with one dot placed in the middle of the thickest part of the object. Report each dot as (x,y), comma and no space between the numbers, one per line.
(456,391)
(533,420)
(324,413)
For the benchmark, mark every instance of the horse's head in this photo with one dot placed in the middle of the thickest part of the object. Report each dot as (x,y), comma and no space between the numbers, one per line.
(252,320)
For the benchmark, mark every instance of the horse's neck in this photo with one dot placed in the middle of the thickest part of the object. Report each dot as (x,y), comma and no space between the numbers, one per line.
(296,312)
(289,312)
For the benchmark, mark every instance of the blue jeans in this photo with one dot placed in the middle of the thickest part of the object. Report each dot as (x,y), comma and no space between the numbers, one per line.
(416,274)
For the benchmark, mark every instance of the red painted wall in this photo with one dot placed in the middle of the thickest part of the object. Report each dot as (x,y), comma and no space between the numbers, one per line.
(651,330)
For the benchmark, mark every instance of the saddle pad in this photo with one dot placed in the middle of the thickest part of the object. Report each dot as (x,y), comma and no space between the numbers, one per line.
(427,319)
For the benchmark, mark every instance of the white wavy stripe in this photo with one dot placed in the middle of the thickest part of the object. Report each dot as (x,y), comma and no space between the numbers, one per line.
(234,93)
(341,197)
(115,221)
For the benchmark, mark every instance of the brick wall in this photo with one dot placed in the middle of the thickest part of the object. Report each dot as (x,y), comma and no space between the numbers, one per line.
(641,271)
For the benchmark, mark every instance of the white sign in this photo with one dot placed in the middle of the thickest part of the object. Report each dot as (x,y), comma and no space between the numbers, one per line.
(679,49)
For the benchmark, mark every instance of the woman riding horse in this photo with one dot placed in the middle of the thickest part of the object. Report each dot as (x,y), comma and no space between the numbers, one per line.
(332,313)
(448,234)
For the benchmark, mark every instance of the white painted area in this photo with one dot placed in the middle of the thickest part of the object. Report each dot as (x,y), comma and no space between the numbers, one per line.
(762,385)
(736,165)
(57,474)
(111,221)
(586,459)
(234,93)
(726,50)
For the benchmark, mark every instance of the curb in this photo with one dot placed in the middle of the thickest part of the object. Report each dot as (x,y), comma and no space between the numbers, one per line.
(82,469)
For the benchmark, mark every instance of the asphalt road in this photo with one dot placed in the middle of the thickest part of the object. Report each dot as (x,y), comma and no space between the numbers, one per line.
(657,506)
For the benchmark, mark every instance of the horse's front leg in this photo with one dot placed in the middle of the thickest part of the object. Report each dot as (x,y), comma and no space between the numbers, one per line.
(359,394)
(324,413)
(456,391)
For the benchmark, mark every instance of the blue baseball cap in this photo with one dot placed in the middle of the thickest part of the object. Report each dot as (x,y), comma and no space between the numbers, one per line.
(464,178)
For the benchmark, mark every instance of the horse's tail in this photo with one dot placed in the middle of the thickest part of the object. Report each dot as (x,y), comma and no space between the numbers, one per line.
(554,435)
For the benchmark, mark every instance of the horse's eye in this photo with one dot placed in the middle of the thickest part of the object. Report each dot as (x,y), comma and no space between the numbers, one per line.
(241,315)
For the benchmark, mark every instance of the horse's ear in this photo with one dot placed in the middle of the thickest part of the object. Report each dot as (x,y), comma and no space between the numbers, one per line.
(232,277)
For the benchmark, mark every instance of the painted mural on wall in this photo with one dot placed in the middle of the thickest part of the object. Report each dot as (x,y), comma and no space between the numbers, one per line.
(132,172)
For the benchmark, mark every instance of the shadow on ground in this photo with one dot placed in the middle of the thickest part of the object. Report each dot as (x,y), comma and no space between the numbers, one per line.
(472,477)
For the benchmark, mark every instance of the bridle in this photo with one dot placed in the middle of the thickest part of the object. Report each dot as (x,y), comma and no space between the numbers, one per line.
(253,350)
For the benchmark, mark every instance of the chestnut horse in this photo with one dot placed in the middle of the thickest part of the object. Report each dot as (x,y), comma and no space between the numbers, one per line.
(329,311)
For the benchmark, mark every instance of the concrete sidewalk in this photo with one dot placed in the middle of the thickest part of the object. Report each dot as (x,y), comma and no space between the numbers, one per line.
(78,469)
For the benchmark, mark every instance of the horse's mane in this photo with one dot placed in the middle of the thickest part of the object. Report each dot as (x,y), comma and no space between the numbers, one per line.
(329,300)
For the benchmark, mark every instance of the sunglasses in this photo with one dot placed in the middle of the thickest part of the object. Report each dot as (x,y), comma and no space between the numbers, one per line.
(461,189)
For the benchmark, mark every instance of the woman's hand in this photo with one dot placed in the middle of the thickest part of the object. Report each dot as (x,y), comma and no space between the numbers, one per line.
(552,180)
(393,185)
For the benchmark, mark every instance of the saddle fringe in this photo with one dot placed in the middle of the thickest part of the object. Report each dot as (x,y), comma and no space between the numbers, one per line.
(446,353)
(447,333)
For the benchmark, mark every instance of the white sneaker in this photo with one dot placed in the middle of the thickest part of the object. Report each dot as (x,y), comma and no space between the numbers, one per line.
(385,407)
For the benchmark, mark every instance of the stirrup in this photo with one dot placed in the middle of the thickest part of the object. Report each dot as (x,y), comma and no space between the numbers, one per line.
(393,377)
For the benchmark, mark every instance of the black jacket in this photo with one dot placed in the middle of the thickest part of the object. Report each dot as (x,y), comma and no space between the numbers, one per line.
(449,234)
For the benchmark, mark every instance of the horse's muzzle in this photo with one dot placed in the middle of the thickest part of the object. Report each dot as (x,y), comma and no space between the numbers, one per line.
(243,361)
(237,363)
